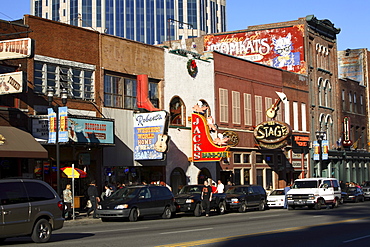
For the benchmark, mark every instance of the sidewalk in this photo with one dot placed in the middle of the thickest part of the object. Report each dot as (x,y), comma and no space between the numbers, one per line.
(81,219)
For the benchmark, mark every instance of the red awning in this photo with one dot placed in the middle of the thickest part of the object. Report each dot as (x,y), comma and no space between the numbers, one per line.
(16,143)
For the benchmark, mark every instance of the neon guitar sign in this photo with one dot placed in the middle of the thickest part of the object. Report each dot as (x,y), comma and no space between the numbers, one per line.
(271,112)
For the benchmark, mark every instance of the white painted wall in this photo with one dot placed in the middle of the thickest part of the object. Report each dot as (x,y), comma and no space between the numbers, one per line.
(178,82)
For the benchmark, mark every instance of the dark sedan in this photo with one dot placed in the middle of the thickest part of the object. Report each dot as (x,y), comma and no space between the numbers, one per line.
(354,194)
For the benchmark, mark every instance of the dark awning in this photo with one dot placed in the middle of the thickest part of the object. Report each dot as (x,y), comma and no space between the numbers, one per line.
(17,143)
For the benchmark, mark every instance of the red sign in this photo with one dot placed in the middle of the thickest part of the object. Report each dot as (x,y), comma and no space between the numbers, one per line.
(203,147)
(279,48)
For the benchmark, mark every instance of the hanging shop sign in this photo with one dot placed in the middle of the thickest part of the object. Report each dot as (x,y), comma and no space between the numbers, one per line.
(203,147)
(272,134)
(300,143)
(150,139)
(347,142)
(11,83)
(87,130)
(15,48)
(277,47)
(62,122)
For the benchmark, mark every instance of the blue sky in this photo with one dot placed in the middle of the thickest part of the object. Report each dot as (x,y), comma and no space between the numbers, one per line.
(352,17)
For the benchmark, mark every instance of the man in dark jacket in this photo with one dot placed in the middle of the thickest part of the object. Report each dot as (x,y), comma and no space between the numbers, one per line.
(93,194)
(206,197)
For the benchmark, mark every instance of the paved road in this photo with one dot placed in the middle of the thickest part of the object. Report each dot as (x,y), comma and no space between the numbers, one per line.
(347,225)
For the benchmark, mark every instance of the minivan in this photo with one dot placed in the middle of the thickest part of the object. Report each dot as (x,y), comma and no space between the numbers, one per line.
(29,207)
(133,202)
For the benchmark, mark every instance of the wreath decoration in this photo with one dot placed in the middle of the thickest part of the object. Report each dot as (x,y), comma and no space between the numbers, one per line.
(192,68)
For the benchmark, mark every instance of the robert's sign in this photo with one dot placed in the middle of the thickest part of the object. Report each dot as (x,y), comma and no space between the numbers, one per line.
(272,134)
(15,48)
(11,83)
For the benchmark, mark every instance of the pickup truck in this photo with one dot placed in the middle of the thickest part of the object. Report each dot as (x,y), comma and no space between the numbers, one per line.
(189,200)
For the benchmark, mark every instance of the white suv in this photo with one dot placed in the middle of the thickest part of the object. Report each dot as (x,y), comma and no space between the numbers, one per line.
(314,193)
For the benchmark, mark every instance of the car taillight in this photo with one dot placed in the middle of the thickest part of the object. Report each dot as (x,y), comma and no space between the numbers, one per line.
(60,205)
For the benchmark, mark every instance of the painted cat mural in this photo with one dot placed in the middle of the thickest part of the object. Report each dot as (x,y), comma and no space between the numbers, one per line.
(283,48)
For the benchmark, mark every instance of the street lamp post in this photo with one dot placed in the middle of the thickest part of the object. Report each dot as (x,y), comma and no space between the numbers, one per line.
(63,95)
(320,136)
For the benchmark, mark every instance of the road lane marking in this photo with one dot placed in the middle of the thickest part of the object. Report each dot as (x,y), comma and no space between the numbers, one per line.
(224,239)
(192,230)
(117,230)
(355,239)
(267,216)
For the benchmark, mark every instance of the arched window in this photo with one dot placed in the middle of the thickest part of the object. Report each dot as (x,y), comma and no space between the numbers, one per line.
(177,112)
(327,94)
(320,96)
(329,129)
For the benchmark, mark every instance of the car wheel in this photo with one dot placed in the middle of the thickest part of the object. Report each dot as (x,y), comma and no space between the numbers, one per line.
(318,205)
(41,231)
(242,208)
(357,200)
(133,215)
(221,208)
(197,210)
(261,207)
(167,213)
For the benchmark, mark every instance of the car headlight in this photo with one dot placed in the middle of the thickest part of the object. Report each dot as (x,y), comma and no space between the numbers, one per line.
(289,196)
(351,196)
(189,201)
(234,200)
(311,197)
(121,206)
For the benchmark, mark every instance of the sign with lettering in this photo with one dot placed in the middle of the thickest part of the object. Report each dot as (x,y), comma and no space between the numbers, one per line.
(301,142)
(15,48)
(11,83)
(351,64)
(203,148)
(150,142)
(275,47)
(272,134)
(83,130)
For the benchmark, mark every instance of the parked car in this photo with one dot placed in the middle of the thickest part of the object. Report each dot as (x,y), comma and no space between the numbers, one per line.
(29,207)
(314,193)
(276,198)
(189,200)
(133,202)
(354,194)
(243,197)
(366,189)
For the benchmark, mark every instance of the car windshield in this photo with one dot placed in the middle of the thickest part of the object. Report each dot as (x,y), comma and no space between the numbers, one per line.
(277,193)
(305,184)
(191,190)
(235,190)
(126,192)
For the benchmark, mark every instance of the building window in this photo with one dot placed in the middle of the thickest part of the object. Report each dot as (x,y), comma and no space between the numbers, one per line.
(258,106)
(320,82)
(343,100)
(247,109)
(79,81)
(354,103)
(304,119)
(295,113)
(153,94)
(224,112)
(350,101)
(361,105)
(177,111)
(113,91)
(287,112)
(236,107)
(130,94)
(268,104)
(237,158)
(246,158)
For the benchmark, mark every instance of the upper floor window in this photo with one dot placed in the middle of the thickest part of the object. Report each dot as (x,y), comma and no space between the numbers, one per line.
(247,109)
(224,99)
(258,107)
(77,79)
(177,111)
(236,107)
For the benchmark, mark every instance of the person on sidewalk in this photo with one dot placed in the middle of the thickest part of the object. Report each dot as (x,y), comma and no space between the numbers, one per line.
(92,192)
(206,197)
(67,201)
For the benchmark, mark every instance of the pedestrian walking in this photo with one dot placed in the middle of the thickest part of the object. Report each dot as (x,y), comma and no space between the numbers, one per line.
(92,192)
(67,201)
(206,197)
(286,189)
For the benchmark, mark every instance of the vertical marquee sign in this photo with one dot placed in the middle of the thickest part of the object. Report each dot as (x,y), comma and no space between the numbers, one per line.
(203,148)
